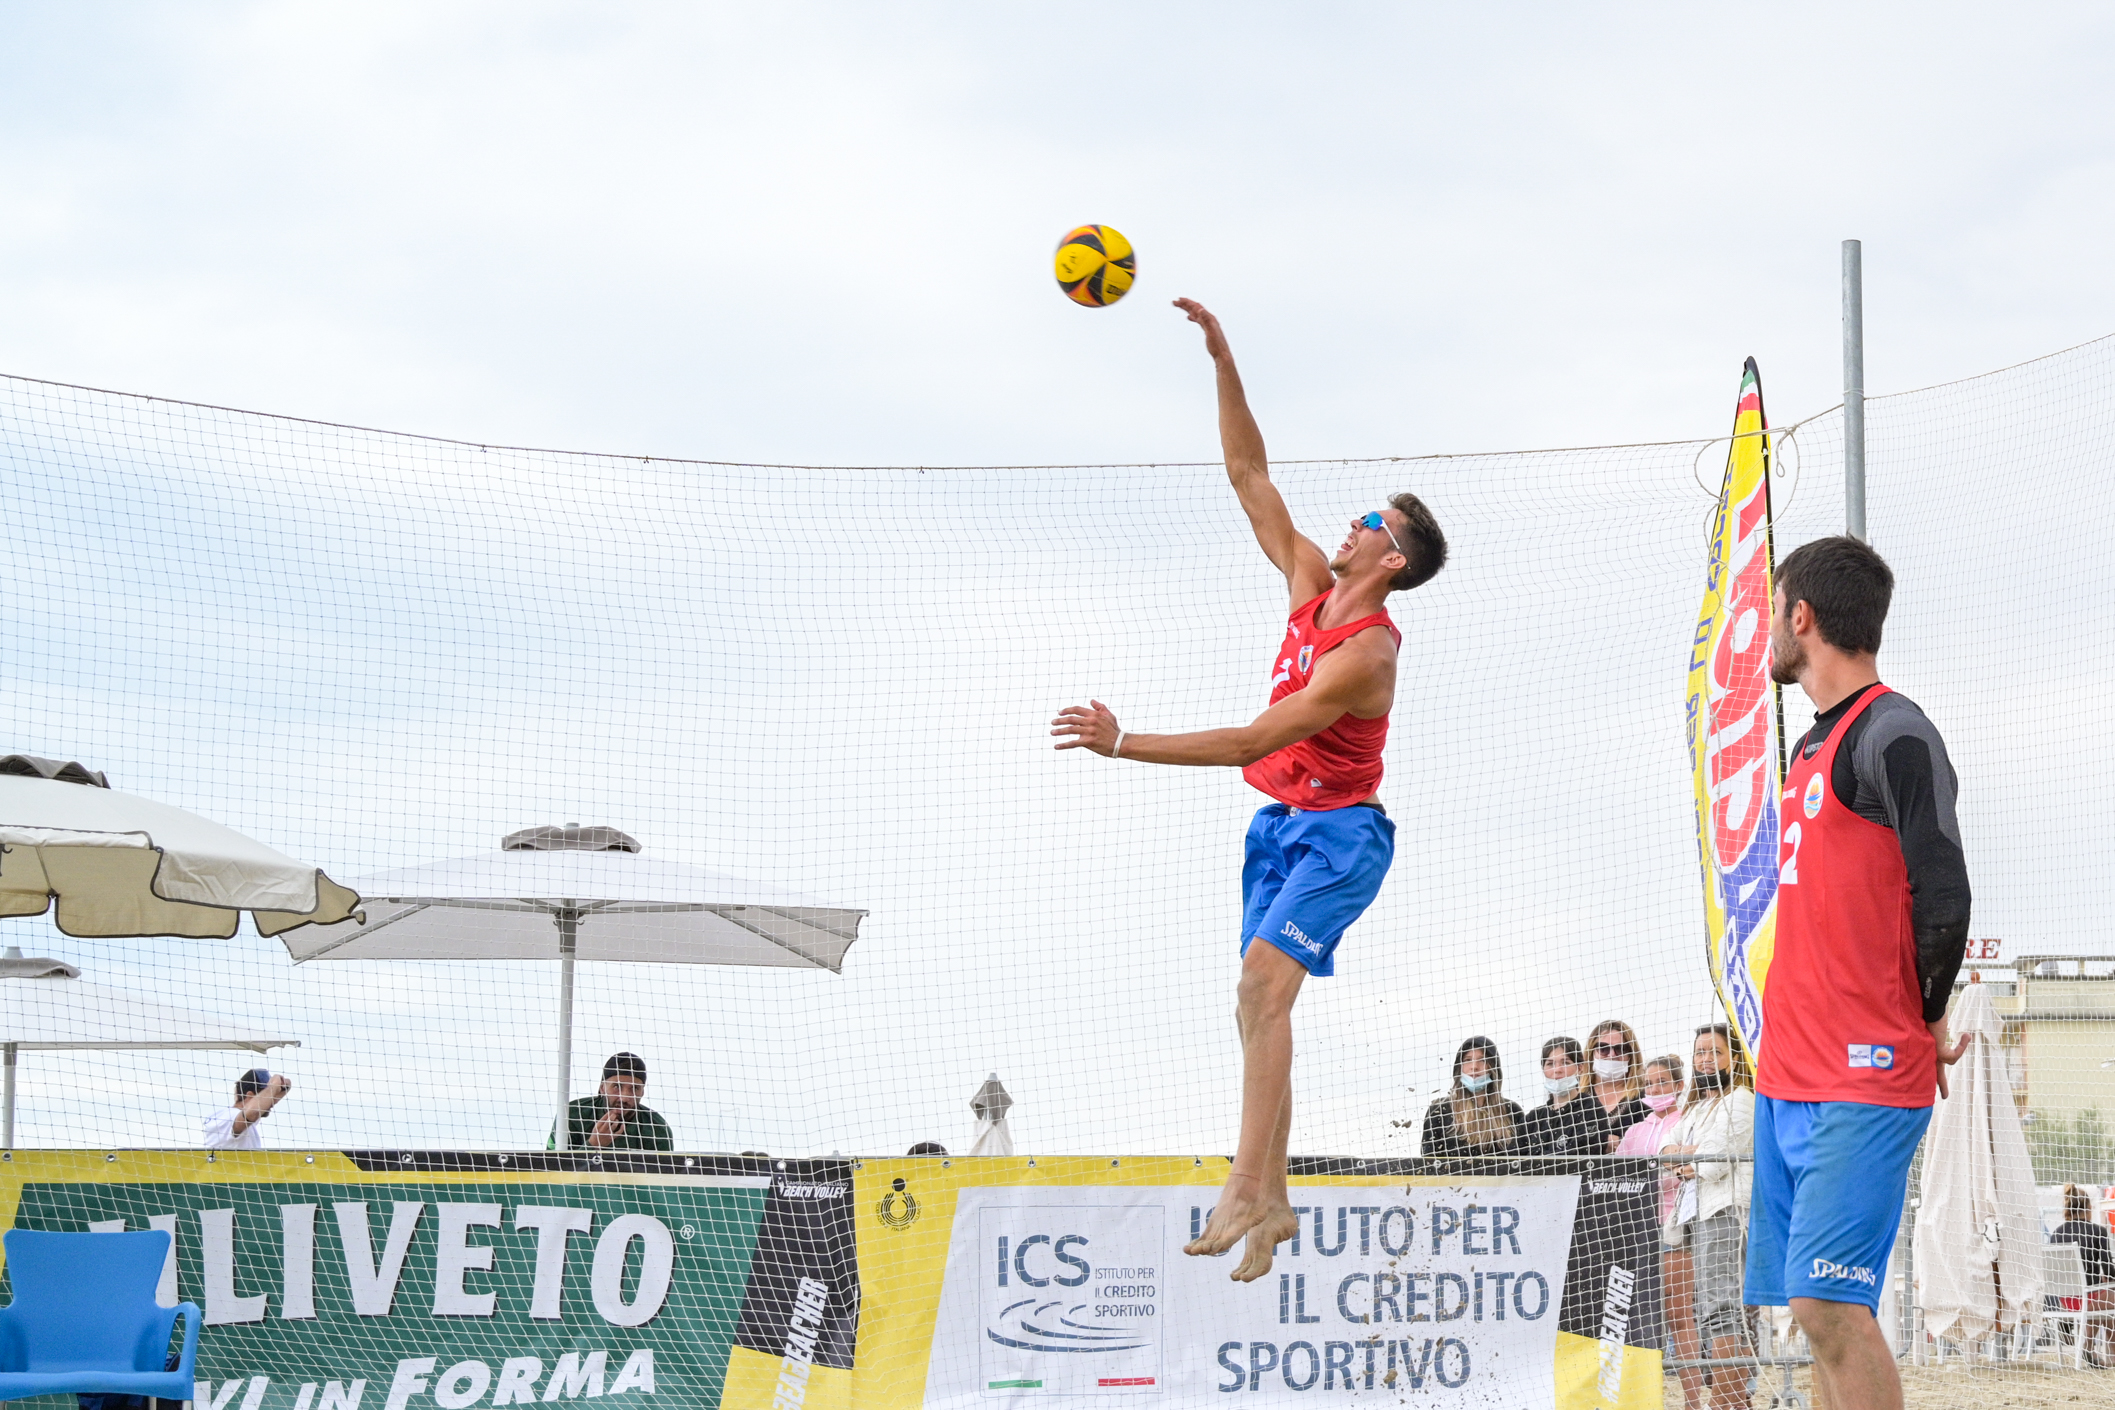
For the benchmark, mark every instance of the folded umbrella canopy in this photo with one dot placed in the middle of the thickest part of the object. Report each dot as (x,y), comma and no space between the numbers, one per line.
(1978,1238)
(120,865)
(44,1006)
(581,893)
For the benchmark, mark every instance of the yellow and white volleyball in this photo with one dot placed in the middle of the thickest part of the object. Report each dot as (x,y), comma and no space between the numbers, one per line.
(1095,265)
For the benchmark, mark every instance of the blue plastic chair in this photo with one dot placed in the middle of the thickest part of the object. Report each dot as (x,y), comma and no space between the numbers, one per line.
(84,1319)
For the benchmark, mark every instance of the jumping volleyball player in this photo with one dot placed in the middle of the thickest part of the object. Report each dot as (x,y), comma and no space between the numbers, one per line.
(1316,856)
(1872,916)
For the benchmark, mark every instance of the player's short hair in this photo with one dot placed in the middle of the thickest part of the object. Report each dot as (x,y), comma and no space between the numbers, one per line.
(1846,584)
(1425,545)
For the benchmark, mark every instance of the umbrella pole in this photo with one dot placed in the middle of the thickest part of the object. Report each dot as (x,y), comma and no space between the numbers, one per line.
(7,1126)
(568,938)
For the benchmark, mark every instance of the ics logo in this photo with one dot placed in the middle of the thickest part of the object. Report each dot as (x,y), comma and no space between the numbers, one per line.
(1812,802)
(1307,658)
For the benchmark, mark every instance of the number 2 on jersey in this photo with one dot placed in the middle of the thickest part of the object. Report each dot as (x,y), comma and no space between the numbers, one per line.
(1788,874)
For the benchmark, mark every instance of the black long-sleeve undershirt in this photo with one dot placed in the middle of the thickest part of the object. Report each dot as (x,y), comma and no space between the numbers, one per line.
(1892,769)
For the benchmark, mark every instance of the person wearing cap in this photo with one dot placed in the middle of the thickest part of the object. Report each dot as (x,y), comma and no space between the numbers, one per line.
(614,1119)
(234,1128)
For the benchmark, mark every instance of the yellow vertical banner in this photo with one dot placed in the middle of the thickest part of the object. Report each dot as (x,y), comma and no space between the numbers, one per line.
(1735,756)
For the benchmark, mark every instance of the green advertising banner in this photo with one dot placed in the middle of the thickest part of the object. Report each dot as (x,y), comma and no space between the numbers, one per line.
(393,1281)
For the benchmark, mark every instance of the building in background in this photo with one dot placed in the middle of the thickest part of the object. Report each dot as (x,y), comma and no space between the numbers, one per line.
(2059,1040)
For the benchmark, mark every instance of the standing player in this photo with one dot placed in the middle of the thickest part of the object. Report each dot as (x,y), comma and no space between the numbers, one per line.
(1316,856)
(1872,916)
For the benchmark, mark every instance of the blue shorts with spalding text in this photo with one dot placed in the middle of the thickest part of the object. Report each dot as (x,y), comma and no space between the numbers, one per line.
(1308,875)
(1829,1182)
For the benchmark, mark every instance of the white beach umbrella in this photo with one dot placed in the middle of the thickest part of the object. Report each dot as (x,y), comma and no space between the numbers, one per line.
(120,865)
(581,893)
(44,1007)
(1978,1237)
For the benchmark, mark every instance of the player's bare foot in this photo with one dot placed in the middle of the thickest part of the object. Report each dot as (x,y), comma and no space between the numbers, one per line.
(1276,1226)
(1241,1206)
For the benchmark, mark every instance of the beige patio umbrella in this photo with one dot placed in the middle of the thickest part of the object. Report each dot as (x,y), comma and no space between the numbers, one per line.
(113,864)
(581,893)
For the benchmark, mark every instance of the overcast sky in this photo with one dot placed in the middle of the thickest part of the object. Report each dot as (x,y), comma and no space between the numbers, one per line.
(821,233)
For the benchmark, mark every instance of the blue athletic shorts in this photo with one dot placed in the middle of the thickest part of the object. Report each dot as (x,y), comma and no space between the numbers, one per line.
(1829,1183)
(1307,876)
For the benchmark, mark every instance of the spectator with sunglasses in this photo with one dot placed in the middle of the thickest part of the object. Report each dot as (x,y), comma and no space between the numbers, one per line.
(1616,1080)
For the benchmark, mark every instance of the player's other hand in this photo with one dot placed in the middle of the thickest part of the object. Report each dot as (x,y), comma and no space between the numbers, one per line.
(1948,1056)
(1214,337)
(1088,726)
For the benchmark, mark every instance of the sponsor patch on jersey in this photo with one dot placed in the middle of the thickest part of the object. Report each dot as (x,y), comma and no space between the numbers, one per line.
(1871,1055)
(1307,657)
(1812,802)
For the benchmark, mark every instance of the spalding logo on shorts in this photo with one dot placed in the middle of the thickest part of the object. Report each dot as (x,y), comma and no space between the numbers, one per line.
(1812,802)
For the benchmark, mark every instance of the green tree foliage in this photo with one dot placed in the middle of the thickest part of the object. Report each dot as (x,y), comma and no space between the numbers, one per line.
(2079,1150)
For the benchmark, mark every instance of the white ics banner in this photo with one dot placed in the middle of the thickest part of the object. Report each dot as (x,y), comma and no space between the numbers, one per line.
(1440,1292)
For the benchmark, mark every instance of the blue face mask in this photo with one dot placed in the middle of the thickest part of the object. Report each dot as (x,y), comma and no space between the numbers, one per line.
(1476,1083)
(1558,1086)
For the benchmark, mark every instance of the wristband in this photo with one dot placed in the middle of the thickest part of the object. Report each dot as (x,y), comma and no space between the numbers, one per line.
(1116,751)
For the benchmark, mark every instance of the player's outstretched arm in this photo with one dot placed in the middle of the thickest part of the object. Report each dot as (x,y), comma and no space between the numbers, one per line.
(1358,676)
(1305,566)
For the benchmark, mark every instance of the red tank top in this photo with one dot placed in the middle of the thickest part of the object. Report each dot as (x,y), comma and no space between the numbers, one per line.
(1843,1020)
(1341,765)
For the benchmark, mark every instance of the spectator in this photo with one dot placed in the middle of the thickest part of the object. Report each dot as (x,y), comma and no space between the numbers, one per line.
(1616,1080)
(1569,1123)
(1475,1117)
(234,1128)
(2079,1227)
(927,1148)
(615,1119)
(1662,1097)
(1712,1208)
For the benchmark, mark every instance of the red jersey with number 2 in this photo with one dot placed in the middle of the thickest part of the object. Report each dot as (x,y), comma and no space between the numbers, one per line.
(1843,1020)
(1341,765)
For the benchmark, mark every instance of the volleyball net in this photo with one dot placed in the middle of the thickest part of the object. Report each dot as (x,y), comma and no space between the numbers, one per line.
(380,653)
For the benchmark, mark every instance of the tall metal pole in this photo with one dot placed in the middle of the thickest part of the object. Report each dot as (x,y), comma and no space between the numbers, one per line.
(568,940)
(7,1137)
(1853,390)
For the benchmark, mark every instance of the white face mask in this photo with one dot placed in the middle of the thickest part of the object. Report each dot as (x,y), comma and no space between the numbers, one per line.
(1558,1086)
(1477,1083)
(1611,1068)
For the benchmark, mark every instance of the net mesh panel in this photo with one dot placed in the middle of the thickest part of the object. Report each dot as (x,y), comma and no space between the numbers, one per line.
(374,651)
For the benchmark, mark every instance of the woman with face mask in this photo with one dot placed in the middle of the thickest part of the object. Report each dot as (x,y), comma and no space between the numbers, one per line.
(1474,1118)
(1662,1096)
(1711,1212)
(1568,1122)
(1615,1081)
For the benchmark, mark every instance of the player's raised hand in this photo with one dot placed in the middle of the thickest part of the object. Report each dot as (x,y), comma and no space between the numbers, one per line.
(1089,726)
(1214,337)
